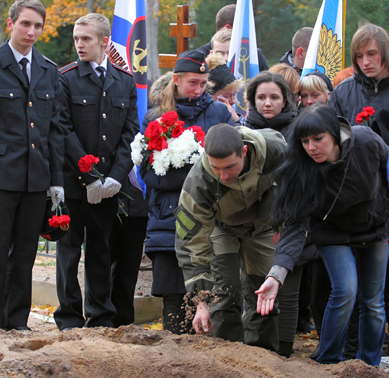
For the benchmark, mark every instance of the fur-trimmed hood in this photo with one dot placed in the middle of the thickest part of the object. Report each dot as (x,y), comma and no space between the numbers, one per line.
(156,89)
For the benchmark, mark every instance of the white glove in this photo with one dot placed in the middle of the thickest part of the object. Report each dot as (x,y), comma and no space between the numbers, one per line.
(57,195)
(111,187)
(94,192)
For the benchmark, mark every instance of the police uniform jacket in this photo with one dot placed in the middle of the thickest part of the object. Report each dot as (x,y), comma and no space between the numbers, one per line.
(97,119)
(31,140)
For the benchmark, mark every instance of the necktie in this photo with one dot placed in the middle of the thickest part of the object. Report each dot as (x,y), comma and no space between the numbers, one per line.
(24,62)
(102,70)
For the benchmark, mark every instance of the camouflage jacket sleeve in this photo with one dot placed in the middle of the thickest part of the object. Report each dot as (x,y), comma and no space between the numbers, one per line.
(195,221)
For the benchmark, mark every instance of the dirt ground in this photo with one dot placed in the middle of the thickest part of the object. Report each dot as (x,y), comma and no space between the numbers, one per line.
(133,351)
(141,351)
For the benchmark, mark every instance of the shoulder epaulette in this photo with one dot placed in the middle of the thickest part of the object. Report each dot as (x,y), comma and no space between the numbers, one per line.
(49,60)
(122,69)
(68,67)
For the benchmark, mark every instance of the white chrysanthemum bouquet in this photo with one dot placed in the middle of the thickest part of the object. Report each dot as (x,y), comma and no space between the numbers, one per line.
(167,143)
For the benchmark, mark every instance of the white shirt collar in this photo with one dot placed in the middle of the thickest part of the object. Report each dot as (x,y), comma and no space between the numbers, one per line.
(18,56)
(94,65)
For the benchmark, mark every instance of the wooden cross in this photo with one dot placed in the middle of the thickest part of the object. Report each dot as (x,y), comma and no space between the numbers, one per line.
(182,30)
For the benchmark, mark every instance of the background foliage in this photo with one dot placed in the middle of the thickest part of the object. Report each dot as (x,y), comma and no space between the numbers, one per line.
(276,22)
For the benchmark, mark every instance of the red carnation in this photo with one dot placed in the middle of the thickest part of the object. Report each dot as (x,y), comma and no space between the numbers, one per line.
(151,158)
(364,116)
(86,162)
(154,130)
(199,133)
(359,118)
(158,144)
(58,221)
(169,118)
(369,110)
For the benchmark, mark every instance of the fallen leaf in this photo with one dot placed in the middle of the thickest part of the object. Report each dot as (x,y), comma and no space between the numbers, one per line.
(157,326)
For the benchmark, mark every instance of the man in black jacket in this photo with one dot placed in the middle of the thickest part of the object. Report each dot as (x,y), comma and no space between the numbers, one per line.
(99,117)
(296,56)
(370,84)
(31,156)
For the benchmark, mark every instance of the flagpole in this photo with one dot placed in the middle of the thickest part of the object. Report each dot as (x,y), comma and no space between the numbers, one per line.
(344,34)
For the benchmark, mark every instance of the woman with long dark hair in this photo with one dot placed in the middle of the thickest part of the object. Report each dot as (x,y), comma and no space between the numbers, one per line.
(334,180)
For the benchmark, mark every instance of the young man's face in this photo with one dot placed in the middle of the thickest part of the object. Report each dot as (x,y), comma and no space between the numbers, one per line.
(229,168)
(369,59)
(26,30)
(221,48)
(90,48)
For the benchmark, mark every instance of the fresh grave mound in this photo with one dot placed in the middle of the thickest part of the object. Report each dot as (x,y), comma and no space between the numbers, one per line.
(136,352)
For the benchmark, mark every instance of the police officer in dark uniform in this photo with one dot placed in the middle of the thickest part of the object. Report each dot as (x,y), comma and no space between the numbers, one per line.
(99,117)
(31,156)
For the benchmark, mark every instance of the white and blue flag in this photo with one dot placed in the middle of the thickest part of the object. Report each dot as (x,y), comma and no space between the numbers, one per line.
(129,50)
(325,51)
(243,56)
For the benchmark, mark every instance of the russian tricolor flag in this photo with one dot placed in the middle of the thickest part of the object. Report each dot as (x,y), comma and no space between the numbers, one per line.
(129,48)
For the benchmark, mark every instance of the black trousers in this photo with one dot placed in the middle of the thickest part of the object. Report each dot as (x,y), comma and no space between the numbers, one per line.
(304,294)
(288,298)
(126,244)
(22,215)
(95,221)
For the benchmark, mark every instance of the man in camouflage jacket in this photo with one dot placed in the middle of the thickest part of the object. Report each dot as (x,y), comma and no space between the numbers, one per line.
(224,236)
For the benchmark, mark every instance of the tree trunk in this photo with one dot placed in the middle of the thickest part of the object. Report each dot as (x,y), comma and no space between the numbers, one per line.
(90,6)
(3,19)
(1,36)
(152,8)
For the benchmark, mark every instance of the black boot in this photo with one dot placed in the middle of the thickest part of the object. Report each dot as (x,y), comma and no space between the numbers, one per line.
(315,354)
(285,349)
(173,314)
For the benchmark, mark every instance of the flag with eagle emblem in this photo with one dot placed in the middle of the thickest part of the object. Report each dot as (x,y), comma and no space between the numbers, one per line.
(325,51)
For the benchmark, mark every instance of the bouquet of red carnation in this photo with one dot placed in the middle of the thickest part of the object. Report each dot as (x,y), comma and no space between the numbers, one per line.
(167,143)
(364,116)
(56,222)
(59,220)
(87,164)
